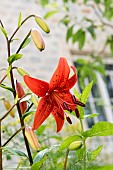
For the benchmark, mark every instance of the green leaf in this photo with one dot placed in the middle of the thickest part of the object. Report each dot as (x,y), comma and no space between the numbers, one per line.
(93,155)
(38,165)
(27,114)
(44,153)
(50,13)
(44,2)
(68,141)
(7,87)
(3,31)
(99,129)
(14,57)
(20,19)
(69,33)
(81,39)
(92,31)
(91,115)
(77,35)
(86,92)
(15,151)
(77,94)
(28,40)
(106,167)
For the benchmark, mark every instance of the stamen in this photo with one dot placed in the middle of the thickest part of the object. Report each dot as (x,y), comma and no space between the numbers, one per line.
(77,113)
(77,102)
(68,120)
(66,106)
(74,99)
(80,103)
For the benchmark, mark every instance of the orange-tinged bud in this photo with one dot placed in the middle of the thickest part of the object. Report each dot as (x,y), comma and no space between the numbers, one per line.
(8,106)
(75,145)
(20,92)
(32,139)
(38,39)
(42,23)
(22,72)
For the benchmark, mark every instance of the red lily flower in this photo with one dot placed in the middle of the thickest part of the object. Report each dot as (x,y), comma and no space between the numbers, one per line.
(56,96)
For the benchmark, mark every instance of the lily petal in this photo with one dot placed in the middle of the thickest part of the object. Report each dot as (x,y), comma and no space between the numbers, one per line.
(71,81)
(66,96)
(37,86)
(58,114)
(60,75)
(43,111)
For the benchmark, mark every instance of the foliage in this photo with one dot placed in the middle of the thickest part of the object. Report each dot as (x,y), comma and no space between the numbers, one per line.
(55,150)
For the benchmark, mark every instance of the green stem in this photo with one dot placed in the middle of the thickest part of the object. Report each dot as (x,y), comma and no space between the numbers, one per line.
(23,42)
(20,26)
(84,144)
(18,106)
(0,148)
(13,136)
(66,158)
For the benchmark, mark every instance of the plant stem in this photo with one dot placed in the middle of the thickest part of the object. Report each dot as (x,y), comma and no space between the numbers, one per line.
(20,26)
(13,136)
(3,79)
(66,158)
(84,144)
(23,42)
(18,107)
(0,148)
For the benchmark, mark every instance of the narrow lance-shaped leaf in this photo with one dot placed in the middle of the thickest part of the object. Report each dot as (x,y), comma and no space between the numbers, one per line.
(3,31)
(93,155)
(14,57)
(86,92)
(20,19)
(50,13)
(69,33)
(28,40)
(99,129)
(68,141)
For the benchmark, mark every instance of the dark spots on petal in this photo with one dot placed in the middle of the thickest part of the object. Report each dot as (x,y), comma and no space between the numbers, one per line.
(60,116)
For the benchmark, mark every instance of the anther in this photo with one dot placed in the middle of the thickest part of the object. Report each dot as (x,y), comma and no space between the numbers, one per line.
(68,120)
(77,102)
(77,113)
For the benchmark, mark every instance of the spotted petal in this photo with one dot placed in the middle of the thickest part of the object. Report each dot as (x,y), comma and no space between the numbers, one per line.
(37,86)
(58,114)
(71,81)
(60,75)
(43,111)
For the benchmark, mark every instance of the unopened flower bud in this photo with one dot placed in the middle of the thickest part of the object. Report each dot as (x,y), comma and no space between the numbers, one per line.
(22,72)
(34,100)
(75,145)
(32,139)
(42,23)
(8,106)
(38,39)
(20,92)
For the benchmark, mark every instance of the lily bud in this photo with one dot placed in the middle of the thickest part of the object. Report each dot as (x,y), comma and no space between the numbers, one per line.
(8,106)
(20,92)
(75,145)
(42,23)
(32,139)
(34,100)
(38,39)
(22,72)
